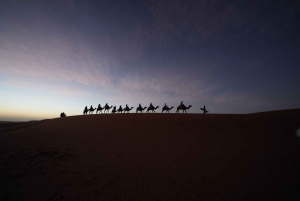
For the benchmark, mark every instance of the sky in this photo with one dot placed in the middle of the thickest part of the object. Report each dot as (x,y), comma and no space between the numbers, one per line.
(231,56)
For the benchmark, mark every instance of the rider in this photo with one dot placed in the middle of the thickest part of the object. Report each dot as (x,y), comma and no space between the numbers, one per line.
(181,104)
(140,106)
(151,106)
(127,106)
(165,105)
(120,108)
(91,108)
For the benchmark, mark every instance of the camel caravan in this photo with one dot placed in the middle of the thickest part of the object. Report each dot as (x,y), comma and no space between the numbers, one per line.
(139,109)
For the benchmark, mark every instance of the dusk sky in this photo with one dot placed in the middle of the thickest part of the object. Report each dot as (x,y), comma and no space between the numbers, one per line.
(232,56)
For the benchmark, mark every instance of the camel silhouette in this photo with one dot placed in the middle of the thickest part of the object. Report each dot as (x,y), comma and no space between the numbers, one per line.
(127,109)
(99,109)
(63,114)
(107,108)
(183,108)
(140,109)
(85,111)
(167,109)
(114,110)
(204,110)
(91,110)
(120,110)
(151,107)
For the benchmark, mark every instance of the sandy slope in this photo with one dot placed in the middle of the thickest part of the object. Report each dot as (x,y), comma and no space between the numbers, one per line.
(153,157)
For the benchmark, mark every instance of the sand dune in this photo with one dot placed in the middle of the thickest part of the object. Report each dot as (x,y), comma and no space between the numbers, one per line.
(153,157)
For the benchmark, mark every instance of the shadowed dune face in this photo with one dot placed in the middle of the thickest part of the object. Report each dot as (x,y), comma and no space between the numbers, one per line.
(150,157)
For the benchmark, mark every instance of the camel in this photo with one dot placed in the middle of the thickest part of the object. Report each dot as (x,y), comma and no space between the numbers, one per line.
(151,107)
(120,109)
(183,108)
(107,108)
(99,109)
(127,109)
(91,110)
(114,110)
(63,114)
(140,109)
(167,109)
(85,111)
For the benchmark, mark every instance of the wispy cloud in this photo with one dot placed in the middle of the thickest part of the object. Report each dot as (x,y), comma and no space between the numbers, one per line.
(68,48)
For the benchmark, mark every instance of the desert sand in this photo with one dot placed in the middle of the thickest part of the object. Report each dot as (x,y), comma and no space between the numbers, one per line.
(152,157)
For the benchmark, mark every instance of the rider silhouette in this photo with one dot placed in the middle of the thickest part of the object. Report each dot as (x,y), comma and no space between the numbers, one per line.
(127,106)
(140,106)
(181,104)
(91,108)
(151,106)
(120,109)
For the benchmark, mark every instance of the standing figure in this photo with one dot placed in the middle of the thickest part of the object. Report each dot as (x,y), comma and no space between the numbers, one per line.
(85,111)
(204,110)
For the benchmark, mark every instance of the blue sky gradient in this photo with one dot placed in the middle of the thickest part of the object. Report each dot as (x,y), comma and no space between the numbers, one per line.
(232,56)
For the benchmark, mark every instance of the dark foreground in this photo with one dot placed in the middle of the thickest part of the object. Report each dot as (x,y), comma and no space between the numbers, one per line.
(152,157)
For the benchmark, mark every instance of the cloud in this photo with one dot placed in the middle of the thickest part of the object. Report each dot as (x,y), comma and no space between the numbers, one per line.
(134,85)
(77,59)
(54,62)
(46,85)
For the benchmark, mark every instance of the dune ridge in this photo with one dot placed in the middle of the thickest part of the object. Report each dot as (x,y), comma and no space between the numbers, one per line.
(153,157)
